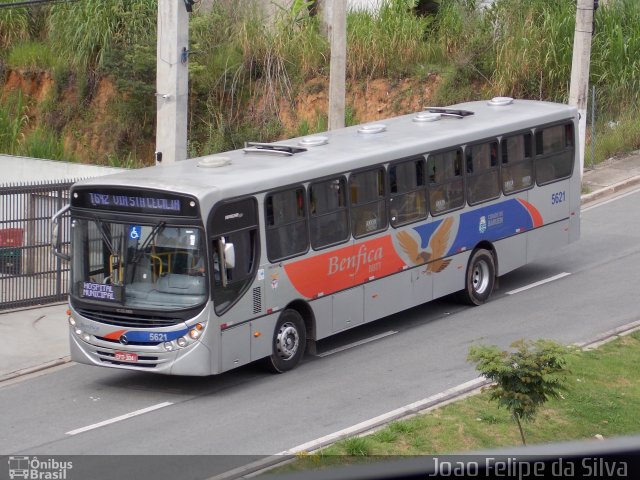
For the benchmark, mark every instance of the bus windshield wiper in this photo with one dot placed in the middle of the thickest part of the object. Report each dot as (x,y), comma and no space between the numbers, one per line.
(105,237)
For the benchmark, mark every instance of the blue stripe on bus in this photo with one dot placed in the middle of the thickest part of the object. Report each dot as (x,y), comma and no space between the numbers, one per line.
(490,223)
(154,337)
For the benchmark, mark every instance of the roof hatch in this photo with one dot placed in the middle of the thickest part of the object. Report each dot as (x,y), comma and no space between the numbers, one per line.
(450,112)
(272,149)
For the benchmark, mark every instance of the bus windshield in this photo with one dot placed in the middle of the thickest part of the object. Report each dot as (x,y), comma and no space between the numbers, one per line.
(138,265)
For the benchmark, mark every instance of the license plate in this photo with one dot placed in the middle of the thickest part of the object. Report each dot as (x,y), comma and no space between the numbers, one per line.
(126,357)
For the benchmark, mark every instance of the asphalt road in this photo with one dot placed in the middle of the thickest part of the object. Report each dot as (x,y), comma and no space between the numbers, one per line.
(250,412)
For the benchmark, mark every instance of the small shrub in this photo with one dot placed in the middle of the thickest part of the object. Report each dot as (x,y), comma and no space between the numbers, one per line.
(357,446)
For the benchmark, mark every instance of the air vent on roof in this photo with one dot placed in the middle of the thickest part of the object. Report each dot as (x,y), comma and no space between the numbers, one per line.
(450,112)
(314,141)
(500,101)
(427,117)
(214,162)
(270,148)
(373,128)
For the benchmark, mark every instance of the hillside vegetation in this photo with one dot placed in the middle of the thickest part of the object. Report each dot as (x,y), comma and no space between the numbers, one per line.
(78,78)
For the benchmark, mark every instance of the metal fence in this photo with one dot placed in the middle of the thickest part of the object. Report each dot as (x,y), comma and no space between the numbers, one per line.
(609,133)
(29,273)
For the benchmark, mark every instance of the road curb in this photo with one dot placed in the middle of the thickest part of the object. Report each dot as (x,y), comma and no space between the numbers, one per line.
(421,406)
(27,371)
(434,401)
(611,189)
(610,335)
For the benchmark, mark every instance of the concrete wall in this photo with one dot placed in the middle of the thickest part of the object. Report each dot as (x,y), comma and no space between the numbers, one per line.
(24,169)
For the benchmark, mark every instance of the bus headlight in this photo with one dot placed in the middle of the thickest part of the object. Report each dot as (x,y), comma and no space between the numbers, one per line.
(182,342)
(168,346)
(78,331)
(86,337)
(72,321)
(194,333)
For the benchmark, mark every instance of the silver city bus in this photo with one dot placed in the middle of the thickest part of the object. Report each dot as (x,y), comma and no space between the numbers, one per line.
(207,264)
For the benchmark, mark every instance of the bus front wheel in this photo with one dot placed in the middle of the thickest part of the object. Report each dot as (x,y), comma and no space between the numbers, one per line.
(481,277)
(288,344)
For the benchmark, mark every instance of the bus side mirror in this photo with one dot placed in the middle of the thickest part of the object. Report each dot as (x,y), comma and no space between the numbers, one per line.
(55,234)
(229,255)
(226,259)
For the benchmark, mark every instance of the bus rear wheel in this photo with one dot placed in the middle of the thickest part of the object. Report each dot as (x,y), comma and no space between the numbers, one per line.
(480,278)
(288,344)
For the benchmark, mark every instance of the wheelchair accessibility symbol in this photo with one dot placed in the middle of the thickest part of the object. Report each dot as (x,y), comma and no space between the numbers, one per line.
(134,232)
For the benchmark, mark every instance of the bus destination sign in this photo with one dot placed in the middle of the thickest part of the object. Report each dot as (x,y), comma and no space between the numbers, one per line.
(121,200)
(165,205)
(100,291)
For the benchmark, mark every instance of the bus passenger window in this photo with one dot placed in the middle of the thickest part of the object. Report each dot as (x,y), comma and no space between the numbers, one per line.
(328,211)
(517,163)
(368,209)
(554,153)
(446,191)
(286,223)
(408,202)
(482,172)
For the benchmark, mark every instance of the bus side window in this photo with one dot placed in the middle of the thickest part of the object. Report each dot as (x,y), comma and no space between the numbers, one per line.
(368,209)
(329,218)
(408,202)
(517,163)
(483,181)
(446,191)
(554,153)
(286,224)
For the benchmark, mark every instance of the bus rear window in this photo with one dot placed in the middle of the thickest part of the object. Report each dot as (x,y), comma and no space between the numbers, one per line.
(554,153)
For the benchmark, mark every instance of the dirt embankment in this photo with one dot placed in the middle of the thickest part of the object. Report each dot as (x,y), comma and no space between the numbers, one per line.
(84,123)
(90,132)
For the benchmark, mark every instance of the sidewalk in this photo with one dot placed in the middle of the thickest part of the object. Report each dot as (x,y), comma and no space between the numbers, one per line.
(37,338)
(611,176)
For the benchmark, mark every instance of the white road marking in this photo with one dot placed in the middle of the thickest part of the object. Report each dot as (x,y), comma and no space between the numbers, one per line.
(121,417)
(355,344)
(536,284)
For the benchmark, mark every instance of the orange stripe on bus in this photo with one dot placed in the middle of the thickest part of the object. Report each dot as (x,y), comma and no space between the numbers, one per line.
(345,267)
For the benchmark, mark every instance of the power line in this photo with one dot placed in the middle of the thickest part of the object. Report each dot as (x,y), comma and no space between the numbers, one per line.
(29,3)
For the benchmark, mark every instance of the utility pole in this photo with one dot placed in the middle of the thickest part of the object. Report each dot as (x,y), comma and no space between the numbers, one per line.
(172,76)
(338,64)
(579,89)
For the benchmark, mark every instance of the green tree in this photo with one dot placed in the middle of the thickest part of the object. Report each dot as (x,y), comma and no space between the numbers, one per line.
(524,378)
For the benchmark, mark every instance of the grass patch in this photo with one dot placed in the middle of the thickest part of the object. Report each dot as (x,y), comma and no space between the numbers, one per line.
(32,56)
(603,397)
(614,137)
(42,143)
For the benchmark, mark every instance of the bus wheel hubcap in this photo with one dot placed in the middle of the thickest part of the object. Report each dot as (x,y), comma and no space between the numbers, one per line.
(287,341)
(480,277)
